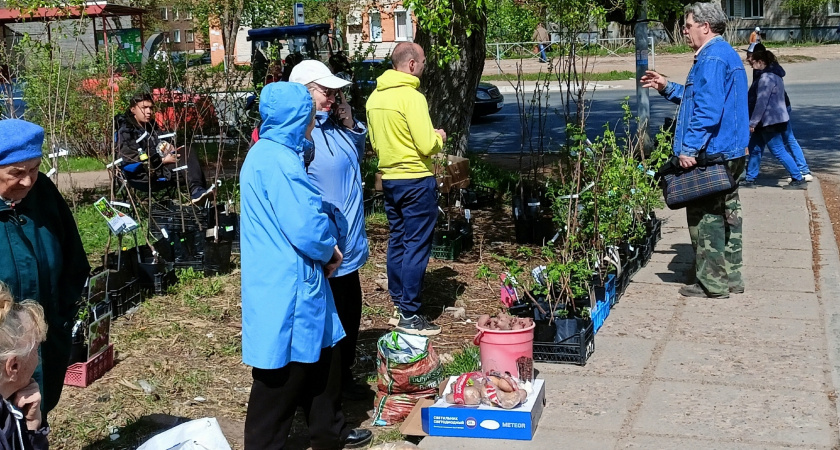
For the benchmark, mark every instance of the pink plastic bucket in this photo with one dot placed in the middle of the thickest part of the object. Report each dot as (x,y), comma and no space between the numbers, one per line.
(500,349)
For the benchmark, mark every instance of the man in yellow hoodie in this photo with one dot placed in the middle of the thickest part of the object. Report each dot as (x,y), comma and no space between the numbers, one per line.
(404,138)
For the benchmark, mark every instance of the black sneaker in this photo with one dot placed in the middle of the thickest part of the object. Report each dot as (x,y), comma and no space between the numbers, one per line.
(417,324)
(358,438)
(695,290)
(796,185)
(199,194)
(749,184)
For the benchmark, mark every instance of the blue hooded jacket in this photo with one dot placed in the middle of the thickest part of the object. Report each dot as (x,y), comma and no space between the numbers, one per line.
(713,110)
(288,313)
(336,172)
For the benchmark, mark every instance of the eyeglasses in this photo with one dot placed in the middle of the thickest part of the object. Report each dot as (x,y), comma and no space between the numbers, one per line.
(327,92)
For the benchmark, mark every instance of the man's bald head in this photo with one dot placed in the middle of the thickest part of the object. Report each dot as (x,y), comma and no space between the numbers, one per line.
(409,58)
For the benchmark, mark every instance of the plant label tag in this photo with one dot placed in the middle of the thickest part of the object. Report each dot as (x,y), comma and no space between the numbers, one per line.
(164,233)
(51,172)
(467,214)
(142,136)
(457,203)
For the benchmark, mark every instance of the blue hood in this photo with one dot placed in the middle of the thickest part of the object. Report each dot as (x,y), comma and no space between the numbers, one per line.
(285,109)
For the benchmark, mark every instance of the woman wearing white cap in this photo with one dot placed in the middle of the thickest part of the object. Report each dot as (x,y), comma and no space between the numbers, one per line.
(335,171)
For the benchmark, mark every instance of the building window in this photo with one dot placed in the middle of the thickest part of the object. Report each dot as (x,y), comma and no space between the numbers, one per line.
(166,37)
(747,9)
(190,35)
(375,26)
(188,15)
(175,14)
(176,36)
(164,14)
(834,8)
(401,24)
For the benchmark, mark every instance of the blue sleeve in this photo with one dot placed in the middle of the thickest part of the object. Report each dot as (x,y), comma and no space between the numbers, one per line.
(359,135)
(673,92)
(297,207)
(709,93)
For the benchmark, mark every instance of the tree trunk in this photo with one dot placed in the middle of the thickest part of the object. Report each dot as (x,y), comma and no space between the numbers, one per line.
(450,90)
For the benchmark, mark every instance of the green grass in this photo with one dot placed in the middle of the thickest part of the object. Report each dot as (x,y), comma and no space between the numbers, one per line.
(79,164)
(485,174)
(795,58)
(377,218)
(673,48)
(597,76)
(466,360)
(94,232)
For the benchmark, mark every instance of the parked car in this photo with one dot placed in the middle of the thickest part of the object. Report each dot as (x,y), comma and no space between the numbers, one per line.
(488,99)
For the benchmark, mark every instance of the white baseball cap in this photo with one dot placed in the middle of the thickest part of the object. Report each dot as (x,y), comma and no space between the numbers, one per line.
(757,29)
(311,70)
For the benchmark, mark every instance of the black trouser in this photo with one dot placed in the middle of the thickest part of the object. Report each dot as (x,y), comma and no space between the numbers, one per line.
(194,175)
(347,292)
(277,393)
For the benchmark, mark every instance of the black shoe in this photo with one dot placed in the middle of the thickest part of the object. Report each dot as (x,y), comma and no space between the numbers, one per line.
(695,290)
(417,324)
(736,289)
(356,392)
(199,194)
(796,185)
(749,184)
(358,438)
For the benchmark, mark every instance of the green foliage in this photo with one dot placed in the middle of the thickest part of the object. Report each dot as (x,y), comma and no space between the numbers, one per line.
(442,18)
(806,11)
(597,76)
(510,21)
(488,175)
(466,360)
(484,272)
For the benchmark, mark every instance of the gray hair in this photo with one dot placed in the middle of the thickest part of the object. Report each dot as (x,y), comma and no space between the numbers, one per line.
(712,13)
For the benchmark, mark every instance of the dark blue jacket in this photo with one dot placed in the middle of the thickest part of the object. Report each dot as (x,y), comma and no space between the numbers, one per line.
(42,258)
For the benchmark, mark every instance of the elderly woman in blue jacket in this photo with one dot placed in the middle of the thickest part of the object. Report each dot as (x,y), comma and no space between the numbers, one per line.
(289,320)
(335,171)
(769,121)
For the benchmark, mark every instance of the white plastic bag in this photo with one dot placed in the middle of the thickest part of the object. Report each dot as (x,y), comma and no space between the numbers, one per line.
(199,434)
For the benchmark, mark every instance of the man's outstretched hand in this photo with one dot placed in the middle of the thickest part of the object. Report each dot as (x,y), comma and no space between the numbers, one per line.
(653,79)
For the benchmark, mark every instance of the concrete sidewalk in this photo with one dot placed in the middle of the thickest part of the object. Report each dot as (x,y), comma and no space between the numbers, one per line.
(758,370)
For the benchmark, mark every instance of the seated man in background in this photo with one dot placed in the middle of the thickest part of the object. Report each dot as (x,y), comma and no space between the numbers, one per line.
(148,161)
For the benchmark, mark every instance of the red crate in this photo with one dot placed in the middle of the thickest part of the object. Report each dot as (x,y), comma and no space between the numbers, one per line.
(83,374)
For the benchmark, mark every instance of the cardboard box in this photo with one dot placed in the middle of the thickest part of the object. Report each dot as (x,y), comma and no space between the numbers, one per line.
(452,173)
(443,419)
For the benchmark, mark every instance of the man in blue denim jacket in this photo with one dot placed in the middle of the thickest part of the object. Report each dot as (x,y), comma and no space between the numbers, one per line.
(713,116)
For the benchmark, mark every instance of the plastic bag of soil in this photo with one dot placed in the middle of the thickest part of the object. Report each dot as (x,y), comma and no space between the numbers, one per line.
(393,409)
(406,364)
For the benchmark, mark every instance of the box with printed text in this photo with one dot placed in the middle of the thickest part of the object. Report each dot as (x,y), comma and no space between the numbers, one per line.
(482,421)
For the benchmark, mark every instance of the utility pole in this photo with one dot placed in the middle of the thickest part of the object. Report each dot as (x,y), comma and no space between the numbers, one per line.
(642,49)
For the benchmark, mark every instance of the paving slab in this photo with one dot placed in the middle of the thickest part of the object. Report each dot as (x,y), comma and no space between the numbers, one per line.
(665,272)
(646,441)
(713,328)
(546,437)
(759,303)
(779,278)
(766,257)
(780,241)
(588,403)
(774,416)
(734,365)
(618,356)
(626,320)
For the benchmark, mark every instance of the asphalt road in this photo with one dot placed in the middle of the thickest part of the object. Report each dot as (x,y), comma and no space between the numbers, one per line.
(811,87)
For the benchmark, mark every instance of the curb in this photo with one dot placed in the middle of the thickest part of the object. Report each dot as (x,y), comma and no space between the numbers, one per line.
(828,283)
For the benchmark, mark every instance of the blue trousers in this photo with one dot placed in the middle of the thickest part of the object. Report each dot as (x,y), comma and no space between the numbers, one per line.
(793,145)
(543,57)
(774,141)
(411,207)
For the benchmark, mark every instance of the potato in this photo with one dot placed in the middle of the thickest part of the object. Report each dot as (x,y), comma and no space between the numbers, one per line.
(483,320)
(472,396)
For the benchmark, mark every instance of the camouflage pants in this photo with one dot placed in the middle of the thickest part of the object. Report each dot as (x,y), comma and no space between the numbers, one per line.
(715,227)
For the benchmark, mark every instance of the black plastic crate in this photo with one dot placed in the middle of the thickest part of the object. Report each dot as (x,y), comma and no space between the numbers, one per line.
(478,196)
(448,246)
(216,259)
(621,283)
(156,277)
(574,350)
(125,297)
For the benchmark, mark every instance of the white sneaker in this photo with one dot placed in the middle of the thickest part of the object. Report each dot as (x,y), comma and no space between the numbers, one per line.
(806,177)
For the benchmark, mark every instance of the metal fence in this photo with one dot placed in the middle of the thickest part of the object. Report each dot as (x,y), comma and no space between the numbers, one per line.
(513,50)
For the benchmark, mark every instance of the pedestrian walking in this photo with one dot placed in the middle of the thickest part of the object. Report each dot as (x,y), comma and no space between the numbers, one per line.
(43,258)
(769,119)
(336,173)
(289,321)
(404,138)
(542,39)
(713,117)
(788,138)
(755,36)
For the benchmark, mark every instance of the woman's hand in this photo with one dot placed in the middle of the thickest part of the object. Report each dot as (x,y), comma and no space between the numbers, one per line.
(334,262)
(345,112)
(28,401)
